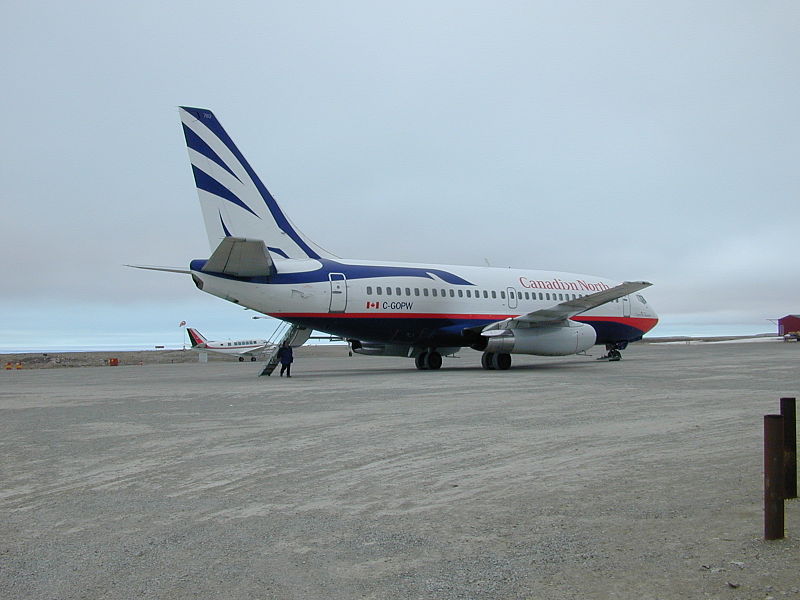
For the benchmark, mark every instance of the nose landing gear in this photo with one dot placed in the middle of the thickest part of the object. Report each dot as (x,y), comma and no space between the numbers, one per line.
(613,350)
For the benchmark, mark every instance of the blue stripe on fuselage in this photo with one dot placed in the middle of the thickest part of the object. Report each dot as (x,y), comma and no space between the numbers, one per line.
(437,331)
(349,271)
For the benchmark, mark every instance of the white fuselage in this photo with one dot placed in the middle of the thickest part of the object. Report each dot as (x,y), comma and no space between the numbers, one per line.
(405,302)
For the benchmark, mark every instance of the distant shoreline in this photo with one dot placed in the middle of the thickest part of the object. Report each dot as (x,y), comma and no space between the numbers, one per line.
(99,358)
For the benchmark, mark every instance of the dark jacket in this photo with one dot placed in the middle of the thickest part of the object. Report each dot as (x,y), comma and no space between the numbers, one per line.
(285,354)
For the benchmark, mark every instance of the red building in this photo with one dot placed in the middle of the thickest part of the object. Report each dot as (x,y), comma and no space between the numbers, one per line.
(788,324)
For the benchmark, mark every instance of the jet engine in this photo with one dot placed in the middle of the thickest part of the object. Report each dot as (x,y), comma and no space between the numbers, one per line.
(570,338)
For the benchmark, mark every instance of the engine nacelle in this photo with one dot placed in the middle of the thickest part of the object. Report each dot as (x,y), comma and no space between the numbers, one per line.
(544,341)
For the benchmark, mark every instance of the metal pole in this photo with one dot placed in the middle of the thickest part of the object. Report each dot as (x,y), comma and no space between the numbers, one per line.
(789,447)
(773,477)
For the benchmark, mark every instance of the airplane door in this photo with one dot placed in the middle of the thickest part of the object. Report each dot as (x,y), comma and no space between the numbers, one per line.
(626,306)
(512,297)
(338,292)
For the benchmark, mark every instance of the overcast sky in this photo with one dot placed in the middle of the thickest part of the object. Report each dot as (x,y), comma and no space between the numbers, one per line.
(632,140)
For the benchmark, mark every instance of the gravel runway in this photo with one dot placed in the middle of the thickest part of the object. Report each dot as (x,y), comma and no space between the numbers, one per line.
(361,477)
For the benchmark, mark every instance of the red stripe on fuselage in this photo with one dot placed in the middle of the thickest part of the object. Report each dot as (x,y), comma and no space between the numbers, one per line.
(643,324)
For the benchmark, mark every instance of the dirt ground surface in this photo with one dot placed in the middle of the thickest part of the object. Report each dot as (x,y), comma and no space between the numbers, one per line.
(362,477)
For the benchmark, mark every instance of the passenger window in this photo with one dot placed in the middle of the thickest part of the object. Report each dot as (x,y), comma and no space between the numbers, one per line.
(526,296)
(460,293)
(388,291)
(494,294)
(444,293)
(547,296)
(379,290)
(485,294)
(503,295)
(416,291)
(561,296)
(434,292)
(369,290)
(408,291)
(424,291)
(398,291)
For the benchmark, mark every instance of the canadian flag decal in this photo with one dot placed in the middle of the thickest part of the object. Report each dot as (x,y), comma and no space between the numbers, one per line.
(372,305)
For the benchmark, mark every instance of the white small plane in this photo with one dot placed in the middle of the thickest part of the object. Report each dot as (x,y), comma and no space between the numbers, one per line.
(260,260)
(241,348)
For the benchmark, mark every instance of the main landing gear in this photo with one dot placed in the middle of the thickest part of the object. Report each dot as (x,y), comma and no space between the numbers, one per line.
(428,360)
(499,361)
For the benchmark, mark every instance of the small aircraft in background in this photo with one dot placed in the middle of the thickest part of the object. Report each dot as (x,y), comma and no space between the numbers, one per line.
(241,348)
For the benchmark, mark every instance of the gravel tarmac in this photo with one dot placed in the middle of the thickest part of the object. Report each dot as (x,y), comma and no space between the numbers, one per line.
(361,477)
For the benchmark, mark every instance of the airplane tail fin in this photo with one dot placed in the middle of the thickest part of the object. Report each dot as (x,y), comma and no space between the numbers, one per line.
(195,337)
(234,201)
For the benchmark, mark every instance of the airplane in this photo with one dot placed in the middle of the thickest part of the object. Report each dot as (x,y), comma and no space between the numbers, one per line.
(261,261)
(241,348)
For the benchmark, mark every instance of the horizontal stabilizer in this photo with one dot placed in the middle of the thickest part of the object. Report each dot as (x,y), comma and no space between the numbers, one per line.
(166,269)
(240,257)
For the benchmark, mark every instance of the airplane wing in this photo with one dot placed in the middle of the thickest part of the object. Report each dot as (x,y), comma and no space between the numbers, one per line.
(564,310)
(240,257)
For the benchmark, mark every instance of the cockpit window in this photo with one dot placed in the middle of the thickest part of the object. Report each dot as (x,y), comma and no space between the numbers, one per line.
(641,299)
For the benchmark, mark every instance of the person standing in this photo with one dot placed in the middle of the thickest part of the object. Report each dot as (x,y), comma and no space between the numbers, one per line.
(286,358)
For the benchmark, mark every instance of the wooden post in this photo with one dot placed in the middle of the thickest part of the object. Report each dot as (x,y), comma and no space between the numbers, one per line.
(788,413)
(773,477)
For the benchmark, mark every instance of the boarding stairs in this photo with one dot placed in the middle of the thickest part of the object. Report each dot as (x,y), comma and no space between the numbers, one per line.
(295,335)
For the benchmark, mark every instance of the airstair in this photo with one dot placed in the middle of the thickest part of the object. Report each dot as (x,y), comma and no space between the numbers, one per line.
(295,335)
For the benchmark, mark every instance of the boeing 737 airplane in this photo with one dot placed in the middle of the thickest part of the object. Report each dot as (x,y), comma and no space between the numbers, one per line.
(241,348)
(260,260)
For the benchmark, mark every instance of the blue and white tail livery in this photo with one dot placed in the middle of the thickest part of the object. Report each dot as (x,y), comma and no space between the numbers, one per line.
(260,260)
(234,201)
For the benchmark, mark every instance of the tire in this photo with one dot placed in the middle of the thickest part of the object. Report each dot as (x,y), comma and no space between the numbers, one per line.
(241,359)
(502,361)
(420,361)
(433,360)
(487,361)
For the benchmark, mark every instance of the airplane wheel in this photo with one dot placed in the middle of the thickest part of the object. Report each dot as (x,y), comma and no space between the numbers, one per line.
(487,361)
(433,360)
(614,355)
(241,359)
(501,361)
(252,359)
(421,360)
